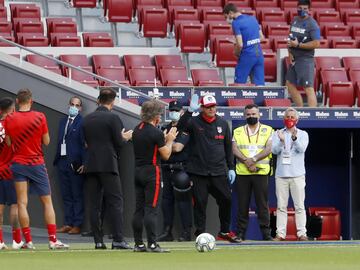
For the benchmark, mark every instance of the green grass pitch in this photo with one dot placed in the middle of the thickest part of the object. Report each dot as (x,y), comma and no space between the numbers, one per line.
(184,256)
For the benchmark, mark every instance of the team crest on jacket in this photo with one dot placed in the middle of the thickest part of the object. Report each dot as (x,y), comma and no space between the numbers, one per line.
(219,129)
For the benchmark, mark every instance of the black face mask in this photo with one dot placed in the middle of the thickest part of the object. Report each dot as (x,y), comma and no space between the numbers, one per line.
(252,120)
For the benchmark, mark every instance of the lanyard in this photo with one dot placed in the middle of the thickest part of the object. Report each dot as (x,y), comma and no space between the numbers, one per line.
(247,133)
(67,127)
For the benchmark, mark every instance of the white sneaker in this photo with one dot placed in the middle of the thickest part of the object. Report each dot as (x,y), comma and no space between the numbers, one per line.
(28,245)
(17,245)
(3,246)
(58,245)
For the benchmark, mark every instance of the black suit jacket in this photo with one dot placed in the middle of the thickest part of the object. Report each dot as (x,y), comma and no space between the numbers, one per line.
(102,130)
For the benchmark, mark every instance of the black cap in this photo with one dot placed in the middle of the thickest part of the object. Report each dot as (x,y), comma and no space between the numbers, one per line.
(175,106)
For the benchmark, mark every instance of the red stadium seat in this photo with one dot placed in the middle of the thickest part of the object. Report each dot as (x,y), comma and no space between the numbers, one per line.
(116,74)
(26,11)
(178,3)
(164,61)
(278,30)
(270,66)
(133,61)
(288,4)
(291,234)
(266,26)
(97,40)
(217,29)
(322,62)
(30,27)
(79,60)
(13,7)
(32,40)
(105,61)
(240,3)
(141,4)
(355,31)
(331,224)
(41,61)
(279,42)
(212,14)
(351,62)
(354,75)
(119,10)
(347,4)
(352,16)
(266,44)
(155,22)
(324,44)
(265,3)
(331,75)
(337,31)
(183,14)
(322,4)
(312,209)
(84,3)
(7,37)
(341,94)
(224,52)
(239,102)
(6,27)
(142,76)
(208,3)
(65,40)
(343,43)
(273,16)
(192,38)
(277,102)
(206,77)
(83,77)
(3,13)
(61,26)
(328,16)
(174,76)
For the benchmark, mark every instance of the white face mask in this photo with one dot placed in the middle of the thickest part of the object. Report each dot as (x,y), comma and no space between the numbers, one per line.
(174,116)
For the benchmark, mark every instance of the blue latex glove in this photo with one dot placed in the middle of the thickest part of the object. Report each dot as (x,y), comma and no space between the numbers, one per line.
(194,103)
(231,176)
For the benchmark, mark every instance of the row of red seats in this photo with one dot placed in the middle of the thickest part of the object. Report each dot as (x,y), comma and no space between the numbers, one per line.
(137,68)
(331,222)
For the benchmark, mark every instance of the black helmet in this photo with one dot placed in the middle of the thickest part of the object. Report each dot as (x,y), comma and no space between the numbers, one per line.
(181,182)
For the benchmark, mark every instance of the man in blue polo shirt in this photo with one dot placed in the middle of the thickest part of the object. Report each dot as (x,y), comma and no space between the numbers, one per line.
(247,46)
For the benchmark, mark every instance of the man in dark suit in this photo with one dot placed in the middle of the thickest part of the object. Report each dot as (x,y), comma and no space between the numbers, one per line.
(69,161)
(104,136)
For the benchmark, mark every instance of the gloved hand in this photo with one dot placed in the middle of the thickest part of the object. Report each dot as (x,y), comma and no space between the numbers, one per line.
(231,176)
(194,103)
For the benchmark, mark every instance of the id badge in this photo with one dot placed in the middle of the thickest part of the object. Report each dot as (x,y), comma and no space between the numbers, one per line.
(286,159)
(63,149)
(252,150)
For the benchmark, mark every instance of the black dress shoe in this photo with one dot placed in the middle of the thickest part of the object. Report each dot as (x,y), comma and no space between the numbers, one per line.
(87,234)
(100,246)
(157,249)
(120,245)
(140,248)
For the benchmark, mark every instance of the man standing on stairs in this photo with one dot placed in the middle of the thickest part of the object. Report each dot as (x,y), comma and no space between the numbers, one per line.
(248,36)
(69,160)
(170,169)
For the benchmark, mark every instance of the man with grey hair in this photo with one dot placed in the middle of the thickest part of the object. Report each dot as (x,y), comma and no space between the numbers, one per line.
(289,144)
(150,146)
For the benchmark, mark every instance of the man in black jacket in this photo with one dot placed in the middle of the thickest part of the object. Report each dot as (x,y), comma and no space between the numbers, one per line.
(104,135)
(210,163)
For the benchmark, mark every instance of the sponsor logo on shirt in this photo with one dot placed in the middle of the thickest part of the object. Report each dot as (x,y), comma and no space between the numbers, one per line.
(298,30)
(253,41)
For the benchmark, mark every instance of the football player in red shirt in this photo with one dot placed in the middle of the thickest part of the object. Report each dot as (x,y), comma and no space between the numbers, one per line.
(27,131)
(7,189)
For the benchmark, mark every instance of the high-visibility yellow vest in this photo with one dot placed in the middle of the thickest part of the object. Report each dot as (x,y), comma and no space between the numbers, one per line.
(249,146)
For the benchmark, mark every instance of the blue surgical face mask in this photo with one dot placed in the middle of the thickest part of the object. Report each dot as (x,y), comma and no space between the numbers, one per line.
(174,116)
(302,13)
(73,111)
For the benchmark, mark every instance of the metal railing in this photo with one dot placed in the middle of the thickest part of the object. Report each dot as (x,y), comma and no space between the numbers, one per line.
(70,66)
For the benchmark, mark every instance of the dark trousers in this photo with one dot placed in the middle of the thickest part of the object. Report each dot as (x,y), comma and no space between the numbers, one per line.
(245,185)
(110,184)
(147,195)
(183,202)
(219,188)
(72,192)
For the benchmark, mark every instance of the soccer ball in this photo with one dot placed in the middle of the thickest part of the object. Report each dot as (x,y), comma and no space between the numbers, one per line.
(2,133)
(205,242)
